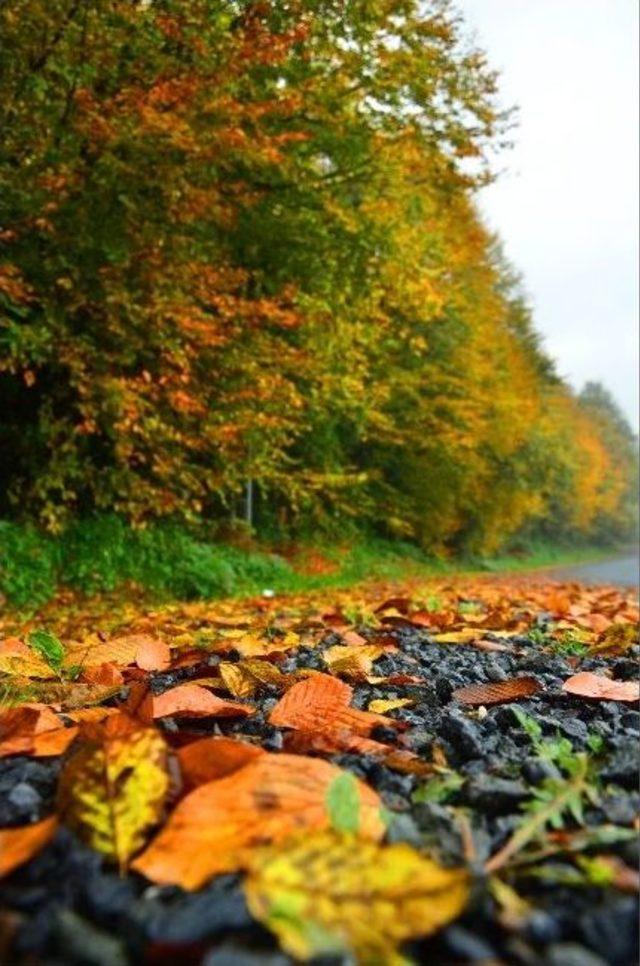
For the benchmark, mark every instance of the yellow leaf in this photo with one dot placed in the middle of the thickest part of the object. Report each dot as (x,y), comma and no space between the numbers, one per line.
(352,660)
(325,892)
(113,789)
(464,636)
(382,705)
(244,678)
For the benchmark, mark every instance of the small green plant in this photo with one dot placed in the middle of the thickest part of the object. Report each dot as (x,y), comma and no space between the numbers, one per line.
(569,646)
(537,636)
(439,789)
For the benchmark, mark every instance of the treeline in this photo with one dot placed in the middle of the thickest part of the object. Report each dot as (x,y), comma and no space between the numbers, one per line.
(239,245)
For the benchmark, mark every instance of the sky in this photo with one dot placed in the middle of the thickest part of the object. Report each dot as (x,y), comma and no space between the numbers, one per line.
(566,204)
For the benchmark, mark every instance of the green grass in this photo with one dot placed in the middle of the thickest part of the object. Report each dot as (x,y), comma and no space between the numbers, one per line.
(101,553)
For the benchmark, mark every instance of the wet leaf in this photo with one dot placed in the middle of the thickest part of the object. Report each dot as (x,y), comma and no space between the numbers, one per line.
(112,790)
(18,845)
(214,828)
(381,896)
(597,686)
(497,692)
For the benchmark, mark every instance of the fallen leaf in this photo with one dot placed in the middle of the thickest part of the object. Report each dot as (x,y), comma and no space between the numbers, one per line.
(34,730)
(102,674)
(322,702)
(18,659)
(353,660)
(328,893)
(112,790)
(497,692)
(382,705)
(153,655)
(244,678)
(193,701)
(207,759)
(214,828)
(589,685)
(18,845)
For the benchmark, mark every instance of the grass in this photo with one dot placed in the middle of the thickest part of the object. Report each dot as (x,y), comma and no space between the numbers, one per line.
(101,553)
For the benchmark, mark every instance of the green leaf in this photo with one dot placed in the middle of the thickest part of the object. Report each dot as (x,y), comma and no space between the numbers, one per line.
(343,803)
(48,647)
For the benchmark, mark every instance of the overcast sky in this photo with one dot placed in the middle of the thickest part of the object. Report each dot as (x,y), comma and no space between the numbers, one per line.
(567,204)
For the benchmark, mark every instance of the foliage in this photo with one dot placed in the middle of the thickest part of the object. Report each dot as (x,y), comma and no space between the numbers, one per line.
(239,243)
(383,896)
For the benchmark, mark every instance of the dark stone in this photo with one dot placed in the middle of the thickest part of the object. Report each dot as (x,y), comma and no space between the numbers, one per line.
(610,928)
(621,809)
(463,944)
(622,767)
(82,944)
(536,770)
(230,954)
(496,796)
(462,733)
(191,917)
(571,954)
(383,733)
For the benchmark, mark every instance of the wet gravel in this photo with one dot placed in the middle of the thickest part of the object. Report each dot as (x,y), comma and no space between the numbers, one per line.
(66,908)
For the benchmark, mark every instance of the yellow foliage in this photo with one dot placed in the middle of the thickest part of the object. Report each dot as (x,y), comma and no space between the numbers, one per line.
(330,893)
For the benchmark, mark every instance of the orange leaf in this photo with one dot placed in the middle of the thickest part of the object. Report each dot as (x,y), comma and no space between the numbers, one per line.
(589,685)
(212,830)
(18,845)
(102,674)
(33,729)
(322,702)
(211,758)
(498,692)
(190,700)
(153,655)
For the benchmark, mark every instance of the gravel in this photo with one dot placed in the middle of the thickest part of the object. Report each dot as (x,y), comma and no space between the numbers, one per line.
(72,909)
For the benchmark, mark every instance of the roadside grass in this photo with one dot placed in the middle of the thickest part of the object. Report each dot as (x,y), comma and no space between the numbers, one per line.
(101,553)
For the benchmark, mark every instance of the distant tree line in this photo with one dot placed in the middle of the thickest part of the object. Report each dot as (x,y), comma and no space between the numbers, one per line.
(239,245)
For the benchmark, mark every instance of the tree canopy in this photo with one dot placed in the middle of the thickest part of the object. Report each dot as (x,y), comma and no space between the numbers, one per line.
(239,242)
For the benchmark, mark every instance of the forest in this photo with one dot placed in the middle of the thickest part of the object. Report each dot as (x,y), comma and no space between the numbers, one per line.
(243,277)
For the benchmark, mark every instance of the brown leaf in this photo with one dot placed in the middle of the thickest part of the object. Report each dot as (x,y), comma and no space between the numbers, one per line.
(102,674)
(212,829)
(322,702)
(190,700)
(211,758)
(33,729)
(18,845)
(589,685)
(498,692)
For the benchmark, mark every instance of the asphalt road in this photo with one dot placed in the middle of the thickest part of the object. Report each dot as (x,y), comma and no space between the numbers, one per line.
(623,571)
